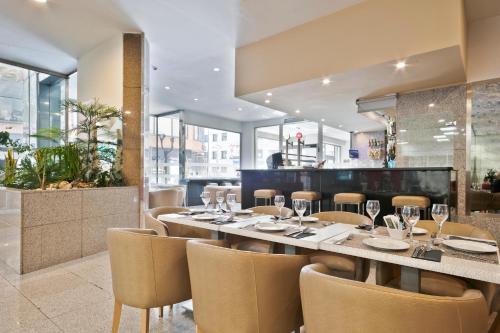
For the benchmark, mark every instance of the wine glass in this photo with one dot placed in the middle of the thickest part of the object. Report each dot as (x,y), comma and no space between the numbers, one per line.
(300,206)
(219,197)
(230,201)
(279,201)
(373,208)
(411,215)
(205,197)
(440,215)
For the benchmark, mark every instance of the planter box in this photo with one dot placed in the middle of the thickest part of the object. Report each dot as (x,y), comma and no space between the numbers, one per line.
(62,225)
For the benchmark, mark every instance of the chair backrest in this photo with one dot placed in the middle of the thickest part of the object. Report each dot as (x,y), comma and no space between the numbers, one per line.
(151,218)
(457,229)
(332,304)
(165,197)
(148,270)
(343,217)
(273,210)
(244,292)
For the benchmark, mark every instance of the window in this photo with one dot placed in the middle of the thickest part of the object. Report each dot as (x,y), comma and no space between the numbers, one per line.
(224,136)
(335,146)
(308,131)
(267,141)
(202,153)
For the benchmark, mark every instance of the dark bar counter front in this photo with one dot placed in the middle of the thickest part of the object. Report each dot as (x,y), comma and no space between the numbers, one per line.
(438,184)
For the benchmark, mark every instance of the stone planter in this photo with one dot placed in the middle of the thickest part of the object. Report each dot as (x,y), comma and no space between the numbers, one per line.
(61,225)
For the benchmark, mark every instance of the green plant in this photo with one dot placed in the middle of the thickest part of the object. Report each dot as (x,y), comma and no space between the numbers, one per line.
(490,176)
(10,168)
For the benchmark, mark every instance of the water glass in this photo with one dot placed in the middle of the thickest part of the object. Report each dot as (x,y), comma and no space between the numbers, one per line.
(300,206)
(230,201)
(411,215)
(440,214)
(279,201)
(373,208)
(219,197)
(205,197)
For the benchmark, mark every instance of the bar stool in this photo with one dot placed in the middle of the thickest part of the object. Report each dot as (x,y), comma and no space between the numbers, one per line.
(266,194)
(411,200)
(350,199)
(310,197)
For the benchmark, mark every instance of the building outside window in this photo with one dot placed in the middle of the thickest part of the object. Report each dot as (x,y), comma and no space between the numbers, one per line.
(214,137)
(214,155)
(224,136)
(223,155)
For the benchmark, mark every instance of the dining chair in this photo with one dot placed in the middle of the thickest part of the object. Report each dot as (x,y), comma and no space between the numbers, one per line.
(244,292)
(273,210)
(165,197)
(439,284)
(172,229)
(332,304)
(342,265)
(147,271)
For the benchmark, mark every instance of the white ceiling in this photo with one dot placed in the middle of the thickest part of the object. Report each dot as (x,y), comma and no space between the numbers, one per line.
(188,38)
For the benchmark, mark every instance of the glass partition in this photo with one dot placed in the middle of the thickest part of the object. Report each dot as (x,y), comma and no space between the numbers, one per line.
(267,142)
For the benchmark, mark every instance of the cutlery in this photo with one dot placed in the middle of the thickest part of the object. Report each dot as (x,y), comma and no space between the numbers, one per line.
(473,240)
(306,230)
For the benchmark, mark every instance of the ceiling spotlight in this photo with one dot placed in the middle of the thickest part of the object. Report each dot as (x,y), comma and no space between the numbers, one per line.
(441,121)
(326,81)
(340,126)
(167,88)
(41,1)
(297,111)
(216,69)
(196,99)
(269,94)
(267,101)
(431,105)
(323,119)
(400,64)
(240,109)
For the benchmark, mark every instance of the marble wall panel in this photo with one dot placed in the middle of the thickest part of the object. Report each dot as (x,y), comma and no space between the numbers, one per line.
(61,242)
(46,207)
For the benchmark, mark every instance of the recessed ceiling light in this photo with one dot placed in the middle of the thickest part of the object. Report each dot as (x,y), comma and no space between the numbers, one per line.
(431,105)
(216,69)
(340,126)
(41,1)
(167,88)
(297,111)
(322,119)
(441,120)
(240,109)
(400,64)
(267,101)
(402,130)
(326,81)
(269,94)
(196,99)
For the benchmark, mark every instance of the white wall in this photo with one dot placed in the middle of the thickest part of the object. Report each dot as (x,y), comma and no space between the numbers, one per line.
(483,47)
(100,73)
(207,120)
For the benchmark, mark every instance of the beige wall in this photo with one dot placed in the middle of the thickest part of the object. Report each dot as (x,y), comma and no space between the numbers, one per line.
(483,49)
(100,73)
(389,29)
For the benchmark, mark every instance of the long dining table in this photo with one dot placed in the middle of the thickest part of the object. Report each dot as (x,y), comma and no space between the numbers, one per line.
(347,239)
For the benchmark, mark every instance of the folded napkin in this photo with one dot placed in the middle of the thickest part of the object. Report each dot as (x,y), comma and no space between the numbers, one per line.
(432,255)
(485,241)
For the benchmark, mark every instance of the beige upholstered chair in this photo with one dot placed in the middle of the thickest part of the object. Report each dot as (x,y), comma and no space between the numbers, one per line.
(148,271)
(266,194)
(420,201)
(273,210)
(171,229)
(342,265)
(438,284)
(244,292)
(331,304)
(172,197)
(310,197)
(358,199)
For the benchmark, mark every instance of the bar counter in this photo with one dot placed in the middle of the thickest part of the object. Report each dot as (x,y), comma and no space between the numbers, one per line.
(438,184)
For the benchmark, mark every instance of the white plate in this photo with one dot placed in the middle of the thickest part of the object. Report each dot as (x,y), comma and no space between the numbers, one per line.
(470,246)
(204,217)
(386,244)
(306,219)
(197,210)
(419,231)
(272,227)
(243,212)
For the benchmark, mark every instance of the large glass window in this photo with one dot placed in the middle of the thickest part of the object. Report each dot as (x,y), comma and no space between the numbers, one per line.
(208,157)
(307,132)
(335,146)
(267,142)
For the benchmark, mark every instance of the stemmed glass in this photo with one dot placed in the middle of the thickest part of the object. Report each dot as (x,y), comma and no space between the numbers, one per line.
(205,197)
(279,201)
(411,215)
(230,201)
(219,197)
(300,206)
(440,215)
(373,208)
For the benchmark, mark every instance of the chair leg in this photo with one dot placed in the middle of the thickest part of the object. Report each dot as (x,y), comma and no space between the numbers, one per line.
(117,313)
(161,311)
(319,206)
(145,321)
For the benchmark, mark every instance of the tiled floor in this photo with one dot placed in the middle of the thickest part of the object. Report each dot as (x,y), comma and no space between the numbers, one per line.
(73,297)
